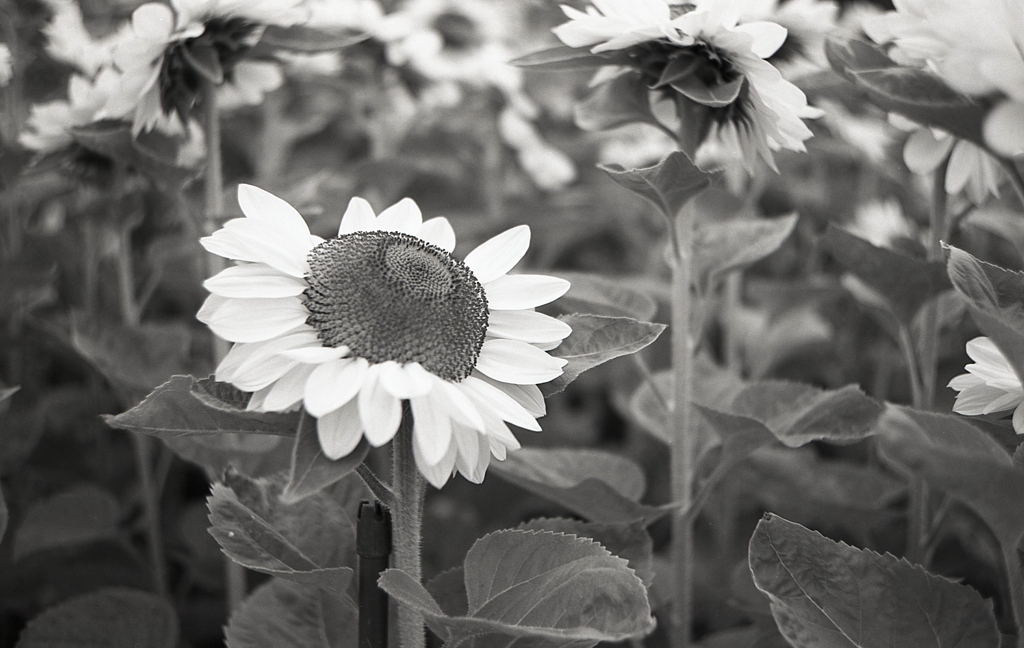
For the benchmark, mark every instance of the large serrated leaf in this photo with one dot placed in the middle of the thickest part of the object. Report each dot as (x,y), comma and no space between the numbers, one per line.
(82,514)
(310,542)
(995,299)
(285,614)
(310,470)
(598,295)
(721,247)
(596,339)
(798,413)
(600,486)
(630,541)
(112,618)
(669,184)
(904,282)
(914,93)
(551,589)
(827,594)
(180,408)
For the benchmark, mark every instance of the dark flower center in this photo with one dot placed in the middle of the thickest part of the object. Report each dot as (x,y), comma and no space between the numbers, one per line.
(391,296)
(458,32)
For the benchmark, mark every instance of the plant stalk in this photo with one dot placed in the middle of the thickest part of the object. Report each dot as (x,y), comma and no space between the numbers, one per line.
(409,489)
(213,191)
(938,223)
(683,442)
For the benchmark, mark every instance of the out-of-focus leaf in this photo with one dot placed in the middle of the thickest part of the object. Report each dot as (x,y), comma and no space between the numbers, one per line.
(995,299)
(740,437)
(669,184)
(133,359)
(599,486)
(914,93)
(1000,221)
(629,541)
(310,542)
(114,139)
(623,100)
(732,245)
(953,455)
(113,617)
(286,614)
(85,513)
(905,283)
(767,341)
(797,413)
(5,396)
(597,295)
(829,594)
(25,286)
(300,38)
(561,57)
(543,589)
(174,409)
(253,455)
(310,470)
(4,516)
(596,339)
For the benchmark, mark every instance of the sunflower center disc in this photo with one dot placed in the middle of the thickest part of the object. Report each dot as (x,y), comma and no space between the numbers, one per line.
(391,296)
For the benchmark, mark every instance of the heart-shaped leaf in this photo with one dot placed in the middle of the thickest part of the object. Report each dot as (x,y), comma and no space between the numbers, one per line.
(914,93)
(561,57)
(597,295)
(546,589)
(596,339)
(995,299)
(311,471)
(286,614)
(83,514)
(181,408)
(600,486)
(669,184)
(826,593)
(798,414)
(620,101)
(904,282)
(114,617)
(310,542)
(629,541)
(721,247)
(740,437)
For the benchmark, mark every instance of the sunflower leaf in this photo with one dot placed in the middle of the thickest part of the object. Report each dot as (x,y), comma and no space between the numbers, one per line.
(311,471)
(620,101)
(717,96)
(826,593)
(173,409)
(115,617)
(310,542)
(5,516)
(905,283)
(669,184)
(596,339)
(599,486)
(797,413)
(914,93)
(629,541)
(561,57)
(114,139)
(995,299)
(721,247)
(300,38)
(82,514)
(286,614)
(613,297)
(550,590)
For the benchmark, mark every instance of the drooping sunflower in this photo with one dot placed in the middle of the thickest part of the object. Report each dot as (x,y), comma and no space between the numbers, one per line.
(352,326)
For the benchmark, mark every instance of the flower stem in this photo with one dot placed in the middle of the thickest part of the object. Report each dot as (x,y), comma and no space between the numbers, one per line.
(938,223)
(213,190)
(409,488)
(1015,577)
(681,622)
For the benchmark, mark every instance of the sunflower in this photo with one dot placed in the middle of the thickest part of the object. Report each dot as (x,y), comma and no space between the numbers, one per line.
(990,384)
(351,327)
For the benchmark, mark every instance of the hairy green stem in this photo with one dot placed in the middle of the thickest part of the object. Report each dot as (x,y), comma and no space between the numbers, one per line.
(213,190)
(938,223)
(683,442)
(409,489)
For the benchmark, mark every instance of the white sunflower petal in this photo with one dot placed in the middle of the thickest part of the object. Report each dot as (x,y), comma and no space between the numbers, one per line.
(253,366)
(256,320)
(973,400)
(340,431)
(316,354)
(462,408)
(963,381)
(496,256)
(251,280)
(242,239)
(264,206)
(404,216)
(432,428)
(405,381)
(529,396)
(379,411)
(500,403)
(437,474)
(1008,400)
(438,231)
(517,363)
(287,391)
(526,326)
(467,459)
(1018,419)
(517,292)
(333,384)
(359,217)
